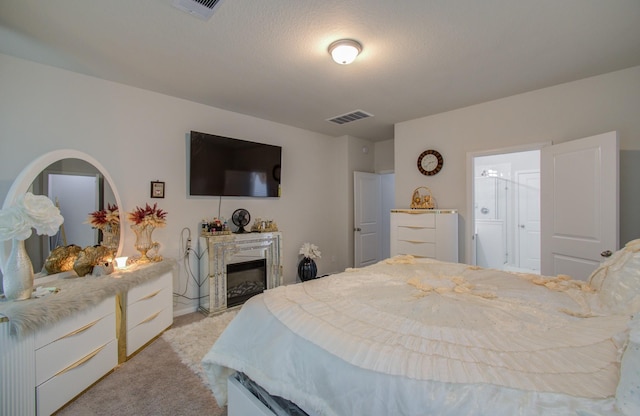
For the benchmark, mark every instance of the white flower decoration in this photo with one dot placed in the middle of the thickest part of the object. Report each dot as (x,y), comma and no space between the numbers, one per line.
(30,211)
(310,250)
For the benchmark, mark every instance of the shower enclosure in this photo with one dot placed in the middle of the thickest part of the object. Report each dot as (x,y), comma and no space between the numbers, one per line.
(507,211)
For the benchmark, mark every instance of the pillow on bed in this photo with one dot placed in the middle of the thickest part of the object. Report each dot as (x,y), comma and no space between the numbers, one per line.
(617,281)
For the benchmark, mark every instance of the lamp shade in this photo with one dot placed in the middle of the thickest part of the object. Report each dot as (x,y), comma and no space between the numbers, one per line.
(344,51)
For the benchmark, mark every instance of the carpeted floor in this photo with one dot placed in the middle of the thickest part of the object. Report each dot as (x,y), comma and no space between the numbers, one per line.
(157,380)
(191,342)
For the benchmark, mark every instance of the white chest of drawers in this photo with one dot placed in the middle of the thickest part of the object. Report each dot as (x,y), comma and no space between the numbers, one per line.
(55,357)
(425,233)
(149,311)
(74,354)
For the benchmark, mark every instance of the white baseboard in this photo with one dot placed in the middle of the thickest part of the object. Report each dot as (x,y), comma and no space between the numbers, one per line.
(185,309)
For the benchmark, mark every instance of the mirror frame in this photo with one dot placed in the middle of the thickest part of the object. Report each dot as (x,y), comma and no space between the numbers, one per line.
(23,181)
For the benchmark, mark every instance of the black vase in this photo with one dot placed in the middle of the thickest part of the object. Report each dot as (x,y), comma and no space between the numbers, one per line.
(307,269)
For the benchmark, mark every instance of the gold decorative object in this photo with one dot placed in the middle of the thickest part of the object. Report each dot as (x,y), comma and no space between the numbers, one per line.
(61,259)
(145,220)
(108,222)
(264,226)
(89,257)
(144,243)
(422,199)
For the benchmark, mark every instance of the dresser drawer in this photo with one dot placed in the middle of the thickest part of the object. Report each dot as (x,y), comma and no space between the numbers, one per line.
(58,390)
(417,234)
(426,220)
(77,321)
(144,290)
(154,301)
(149,312)
(417,249)
(152,325)
(71,347)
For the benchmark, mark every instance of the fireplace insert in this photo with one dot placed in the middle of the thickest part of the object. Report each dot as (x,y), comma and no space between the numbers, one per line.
(244,280)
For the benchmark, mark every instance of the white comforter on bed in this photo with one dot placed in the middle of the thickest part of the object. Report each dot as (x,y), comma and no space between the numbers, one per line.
(415,337)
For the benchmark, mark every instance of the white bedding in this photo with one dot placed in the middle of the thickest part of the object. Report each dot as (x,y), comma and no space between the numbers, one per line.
(427,337)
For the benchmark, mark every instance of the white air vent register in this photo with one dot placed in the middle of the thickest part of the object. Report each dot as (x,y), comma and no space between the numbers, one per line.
(202,9)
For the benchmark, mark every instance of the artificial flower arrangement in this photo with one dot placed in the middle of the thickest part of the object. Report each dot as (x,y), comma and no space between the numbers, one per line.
(100,219)
(30,211)
(310,251)
(149,215)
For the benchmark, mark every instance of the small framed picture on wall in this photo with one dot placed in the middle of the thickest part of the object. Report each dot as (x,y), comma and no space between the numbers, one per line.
(157,189)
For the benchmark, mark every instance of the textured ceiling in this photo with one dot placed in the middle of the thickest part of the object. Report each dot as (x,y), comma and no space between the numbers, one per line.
(268,58)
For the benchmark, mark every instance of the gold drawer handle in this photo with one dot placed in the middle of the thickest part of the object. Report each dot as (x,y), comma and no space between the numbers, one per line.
(80,361)
(149,296)
(79,330)
(151,318)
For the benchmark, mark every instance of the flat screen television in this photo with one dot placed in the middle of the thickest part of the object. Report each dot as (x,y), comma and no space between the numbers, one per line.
(224,166)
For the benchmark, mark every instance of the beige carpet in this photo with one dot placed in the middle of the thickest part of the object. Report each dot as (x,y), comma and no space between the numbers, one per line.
(191,342)
(161,378)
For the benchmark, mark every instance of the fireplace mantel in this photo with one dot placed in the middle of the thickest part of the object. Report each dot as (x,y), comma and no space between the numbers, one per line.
(220,250)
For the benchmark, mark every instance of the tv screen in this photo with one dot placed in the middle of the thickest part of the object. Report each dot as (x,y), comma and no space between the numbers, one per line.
(223,166)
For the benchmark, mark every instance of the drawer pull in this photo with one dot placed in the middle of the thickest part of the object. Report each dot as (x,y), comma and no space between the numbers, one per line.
(150,295)
(79,330)
(80,361)
(151,318)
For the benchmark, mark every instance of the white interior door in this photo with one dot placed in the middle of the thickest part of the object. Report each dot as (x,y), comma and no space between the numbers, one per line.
(77,197)
(528,230)
(579,204)
(367,218)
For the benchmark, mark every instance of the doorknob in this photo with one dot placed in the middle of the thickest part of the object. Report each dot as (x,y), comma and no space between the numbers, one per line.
(357,229)
(606,253)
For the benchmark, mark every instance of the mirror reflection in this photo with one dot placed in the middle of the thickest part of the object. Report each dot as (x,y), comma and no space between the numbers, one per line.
(77,188)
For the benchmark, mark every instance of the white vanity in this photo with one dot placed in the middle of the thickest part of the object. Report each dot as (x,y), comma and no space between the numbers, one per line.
(54,347)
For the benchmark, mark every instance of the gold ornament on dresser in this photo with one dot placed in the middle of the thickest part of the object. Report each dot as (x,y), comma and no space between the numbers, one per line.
(423,199)
(145,220)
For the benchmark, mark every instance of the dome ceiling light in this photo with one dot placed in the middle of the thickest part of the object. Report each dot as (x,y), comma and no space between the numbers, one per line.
(345,51)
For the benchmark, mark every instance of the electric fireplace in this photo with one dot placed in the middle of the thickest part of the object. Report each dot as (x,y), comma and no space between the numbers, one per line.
(245,280)
(235,267)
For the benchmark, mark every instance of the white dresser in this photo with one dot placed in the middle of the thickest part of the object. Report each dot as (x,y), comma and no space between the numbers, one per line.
(74,354)
(47,358)
(149,311)
(431,233)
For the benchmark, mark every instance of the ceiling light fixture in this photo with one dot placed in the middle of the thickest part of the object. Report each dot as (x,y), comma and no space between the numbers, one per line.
(345,51)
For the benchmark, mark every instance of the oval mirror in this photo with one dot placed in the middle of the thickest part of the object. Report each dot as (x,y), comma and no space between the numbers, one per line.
(78,184)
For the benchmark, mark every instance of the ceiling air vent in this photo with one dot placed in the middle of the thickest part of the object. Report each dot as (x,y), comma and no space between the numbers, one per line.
(202,9)
(349,117)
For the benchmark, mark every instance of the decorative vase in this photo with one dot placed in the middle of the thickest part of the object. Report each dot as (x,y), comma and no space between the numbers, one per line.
(144,243)
(17,275)
(307,269)
(111,237)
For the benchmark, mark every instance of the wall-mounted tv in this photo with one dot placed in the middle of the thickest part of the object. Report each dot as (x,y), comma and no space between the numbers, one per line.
(224,166)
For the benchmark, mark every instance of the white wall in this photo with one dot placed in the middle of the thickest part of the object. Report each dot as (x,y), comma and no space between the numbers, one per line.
(561,113)
(384,156)
(140,136)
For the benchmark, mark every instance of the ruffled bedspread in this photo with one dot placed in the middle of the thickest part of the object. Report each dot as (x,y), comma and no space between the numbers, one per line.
(454,323)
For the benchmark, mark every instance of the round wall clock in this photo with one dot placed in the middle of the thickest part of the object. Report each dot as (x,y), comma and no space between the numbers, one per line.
(430,162)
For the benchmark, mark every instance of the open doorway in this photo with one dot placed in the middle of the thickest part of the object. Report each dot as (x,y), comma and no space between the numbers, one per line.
(506,210)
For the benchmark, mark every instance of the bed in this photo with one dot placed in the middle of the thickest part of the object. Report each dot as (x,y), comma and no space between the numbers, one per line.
(411,336)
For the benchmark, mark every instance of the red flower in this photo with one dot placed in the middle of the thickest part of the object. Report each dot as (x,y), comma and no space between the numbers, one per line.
(149,215)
